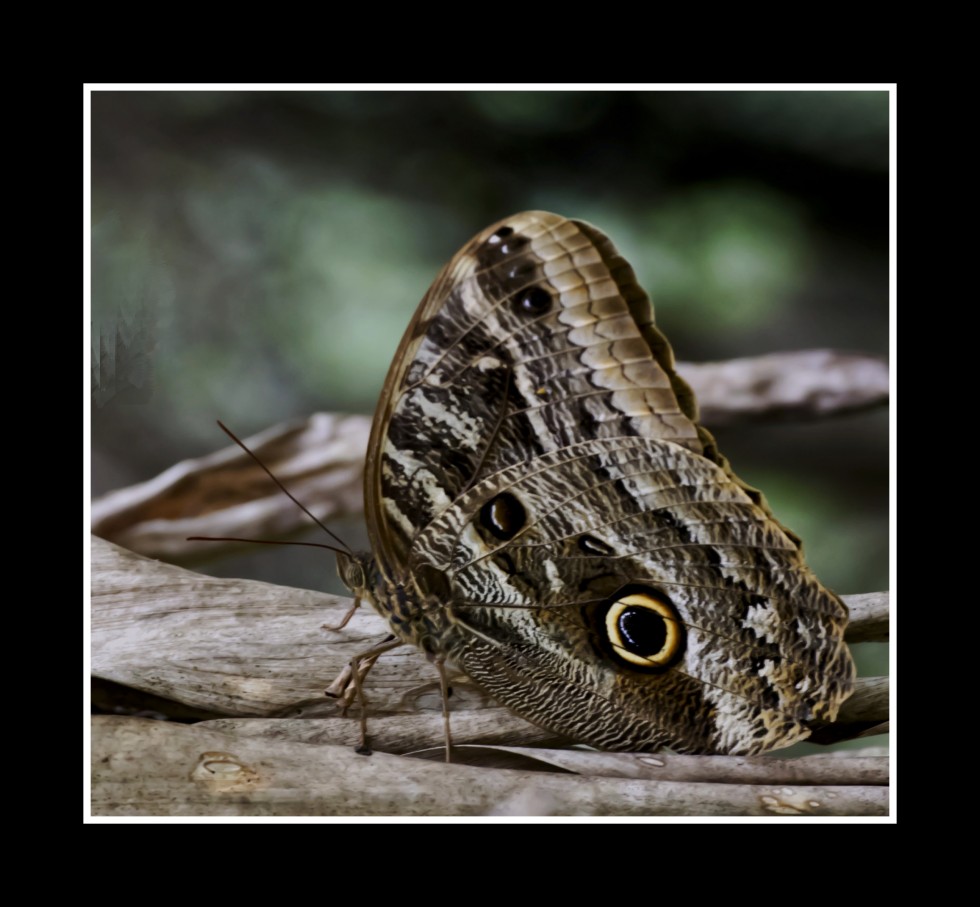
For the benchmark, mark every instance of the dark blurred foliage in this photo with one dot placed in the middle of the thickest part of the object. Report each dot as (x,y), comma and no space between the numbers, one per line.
(257,255)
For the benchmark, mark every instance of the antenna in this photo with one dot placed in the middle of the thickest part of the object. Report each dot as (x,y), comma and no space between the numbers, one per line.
(289,495)
(216,538)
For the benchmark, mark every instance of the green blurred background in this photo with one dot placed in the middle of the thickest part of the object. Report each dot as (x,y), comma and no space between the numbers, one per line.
(257,256)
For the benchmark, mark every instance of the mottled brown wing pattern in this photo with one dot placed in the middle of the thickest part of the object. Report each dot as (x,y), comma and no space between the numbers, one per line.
(571,536)
(762,655)
(535,335)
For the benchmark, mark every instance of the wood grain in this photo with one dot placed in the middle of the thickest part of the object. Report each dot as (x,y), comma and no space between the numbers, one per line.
(240,647)
(151,768)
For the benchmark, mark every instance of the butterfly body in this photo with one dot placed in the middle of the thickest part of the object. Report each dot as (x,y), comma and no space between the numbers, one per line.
(416,616)
(546,513)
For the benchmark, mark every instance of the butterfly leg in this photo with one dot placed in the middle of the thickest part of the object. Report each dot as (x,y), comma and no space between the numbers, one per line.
(353,675)
(344,620)
(440,664)
(343,687)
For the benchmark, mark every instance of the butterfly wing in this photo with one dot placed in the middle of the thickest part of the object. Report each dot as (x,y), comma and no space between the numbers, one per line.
(535,332)
(536,451)
(738,646)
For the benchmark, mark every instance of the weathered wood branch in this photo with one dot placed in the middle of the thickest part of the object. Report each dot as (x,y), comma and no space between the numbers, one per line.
(320,459)
(239,647)
(406,732)
(869,617)
(156,768)
(495,728)
(244,648)
(236,647)
(807,384)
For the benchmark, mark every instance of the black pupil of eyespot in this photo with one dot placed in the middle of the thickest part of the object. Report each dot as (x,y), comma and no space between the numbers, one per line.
(503,516)
(643,631)
(502,233)
(532,301)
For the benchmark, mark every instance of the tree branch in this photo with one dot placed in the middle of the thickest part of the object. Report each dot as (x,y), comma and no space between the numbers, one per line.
(869,617)
(808,384)
(156,768)
(239,647)
(242,648)
(253,649)
(320,460)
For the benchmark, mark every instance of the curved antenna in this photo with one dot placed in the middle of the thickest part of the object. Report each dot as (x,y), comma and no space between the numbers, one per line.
(284,490)
(224,538)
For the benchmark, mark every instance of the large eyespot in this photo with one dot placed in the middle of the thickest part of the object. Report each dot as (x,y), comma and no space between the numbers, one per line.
(503,516)
(643,630)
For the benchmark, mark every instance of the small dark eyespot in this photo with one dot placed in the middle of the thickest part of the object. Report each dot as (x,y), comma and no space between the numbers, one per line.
(500,235)
(514,244)
(432,581)
(532,301)
(505,562)
(591,545)
(711,556)
(520,270)
(503,516)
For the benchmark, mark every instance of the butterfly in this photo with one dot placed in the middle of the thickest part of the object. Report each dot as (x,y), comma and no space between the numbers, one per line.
(546,513)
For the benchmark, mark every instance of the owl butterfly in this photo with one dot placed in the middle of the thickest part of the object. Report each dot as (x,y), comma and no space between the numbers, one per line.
(546,513)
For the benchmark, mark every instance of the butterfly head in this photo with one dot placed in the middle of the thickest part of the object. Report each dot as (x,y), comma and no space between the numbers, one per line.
(354,569)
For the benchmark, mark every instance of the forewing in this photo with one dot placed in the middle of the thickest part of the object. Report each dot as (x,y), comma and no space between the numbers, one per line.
(534,336)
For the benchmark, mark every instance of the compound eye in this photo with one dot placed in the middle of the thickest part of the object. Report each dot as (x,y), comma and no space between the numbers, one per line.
(357,576)
(351,572)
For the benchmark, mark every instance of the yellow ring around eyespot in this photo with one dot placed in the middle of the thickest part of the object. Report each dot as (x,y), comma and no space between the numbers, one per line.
(638,600)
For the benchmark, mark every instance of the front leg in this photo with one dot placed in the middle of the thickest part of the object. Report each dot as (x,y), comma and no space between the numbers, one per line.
(349,683)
